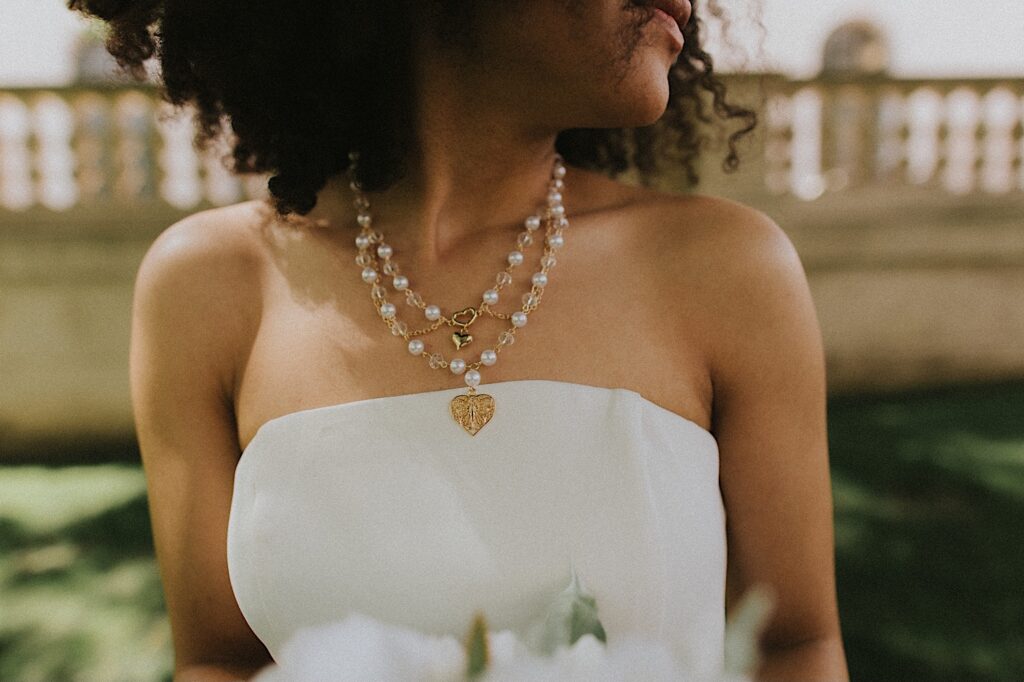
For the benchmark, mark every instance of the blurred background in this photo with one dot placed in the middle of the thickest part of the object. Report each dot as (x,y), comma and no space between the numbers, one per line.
(890,150)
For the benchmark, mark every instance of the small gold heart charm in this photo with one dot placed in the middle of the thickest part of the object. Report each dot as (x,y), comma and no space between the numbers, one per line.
(473,411)
(461,339)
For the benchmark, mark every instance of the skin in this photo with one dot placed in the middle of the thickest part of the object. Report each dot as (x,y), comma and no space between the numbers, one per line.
(699,304)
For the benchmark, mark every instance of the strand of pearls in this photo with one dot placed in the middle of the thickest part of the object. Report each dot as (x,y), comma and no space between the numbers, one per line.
(376,260)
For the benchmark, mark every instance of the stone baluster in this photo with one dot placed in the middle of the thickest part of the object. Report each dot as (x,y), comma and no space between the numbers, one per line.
(16,184)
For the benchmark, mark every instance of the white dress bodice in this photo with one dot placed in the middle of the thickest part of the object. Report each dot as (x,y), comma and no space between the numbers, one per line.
(387,507)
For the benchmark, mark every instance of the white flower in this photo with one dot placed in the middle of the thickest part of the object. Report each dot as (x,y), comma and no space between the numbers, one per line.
(360,648)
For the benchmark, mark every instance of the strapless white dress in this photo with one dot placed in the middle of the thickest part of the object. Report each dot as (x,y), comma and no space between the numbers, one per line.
(387,507)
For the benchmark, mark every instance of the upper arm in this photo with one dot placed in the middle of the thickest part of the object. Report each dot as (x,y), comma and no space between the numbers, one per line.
(189,323)
(769,418)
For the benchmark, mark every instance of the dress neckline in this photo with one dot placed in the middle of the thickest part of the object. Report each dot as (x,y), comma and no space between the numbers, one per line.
(354,404)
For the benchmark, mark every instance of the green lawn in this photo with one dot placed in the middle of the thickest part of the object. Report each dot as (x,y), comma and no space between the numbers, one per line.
(929,491)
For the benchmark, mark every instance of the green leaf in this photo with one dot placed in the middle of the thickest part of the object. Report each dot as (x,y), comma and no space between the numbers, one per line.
(477,652)
(571,615)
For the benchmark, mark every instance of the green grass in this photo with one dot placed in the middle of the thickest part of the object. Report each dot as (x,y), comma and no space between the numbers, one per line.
(929,492)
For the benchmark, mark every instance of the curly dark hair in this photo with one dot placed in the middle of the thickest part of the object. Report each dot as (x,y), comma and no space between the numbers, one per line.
(300,84)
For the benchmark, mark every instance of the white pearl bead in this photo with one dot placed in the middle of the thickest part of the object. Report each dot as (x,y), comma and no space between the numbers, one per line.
(457,365)
(540,279)
(364,220)
(559,171)
(387,310)
(369,275)
(415,346)
(533,222)
(490,297)
(515,258)
(385,251)
(558,210)
(488,357)
(519,318)
(556,241)
(554,198)
(362,241)
(401,282)
(472,378)
(432,312)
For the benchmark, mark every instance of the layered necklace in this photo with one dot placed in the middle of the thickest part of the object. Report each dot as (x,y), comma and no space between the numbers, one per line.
(473,410)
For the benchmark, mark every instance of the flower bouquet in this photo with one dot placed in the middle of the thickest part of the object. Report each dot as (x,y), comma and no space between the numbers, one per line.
(568,644)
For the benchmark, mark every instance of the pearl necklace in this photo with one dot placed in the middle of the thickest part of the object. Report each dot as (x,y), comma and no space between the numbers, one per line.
(472,411)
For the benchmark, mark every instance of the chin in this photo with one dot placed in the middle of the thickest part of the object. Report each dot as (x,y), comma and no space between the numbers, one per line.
(642,101)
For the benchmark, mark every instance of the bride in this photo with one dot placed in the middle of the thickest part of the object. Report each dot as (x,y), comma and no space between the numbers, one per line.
(451,357)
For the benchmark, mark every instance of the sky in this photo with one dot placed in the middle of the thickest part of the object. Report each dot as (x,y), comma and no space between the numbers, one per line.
(927,37)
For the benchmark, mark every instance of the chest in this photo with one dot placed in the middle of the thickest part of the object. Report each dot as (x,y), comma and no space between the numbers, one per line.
(611,315)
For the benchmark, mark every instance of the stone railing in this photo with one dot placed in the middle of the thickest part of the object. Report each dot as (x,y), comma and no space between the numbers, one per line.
(75,147)
(78,148)
(828,135)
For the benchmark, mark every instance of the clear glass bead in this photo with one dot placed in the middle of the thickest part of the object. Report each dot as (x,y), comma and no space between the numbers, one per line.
(548,261)
(413,298)
(531,300)
(503,279)
(506,338)
(524,240)
(378,293)
(390,268)
(364,259)
(436,360)
(377,236)
(364,219)
(399,328)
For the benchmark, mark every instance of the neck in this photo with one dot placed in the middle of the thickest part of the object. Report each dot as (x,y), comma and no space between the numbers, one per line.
(479,166)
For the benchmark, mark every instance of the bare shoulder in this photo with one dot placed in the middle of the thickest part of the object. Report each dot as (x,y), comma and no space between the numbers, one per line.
(216,236)
(199,282)
(747,295)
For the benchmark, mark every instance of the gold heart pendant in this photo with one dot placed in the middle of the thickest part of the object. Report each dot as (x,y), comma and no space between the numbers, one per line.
(472,412)
(461,339)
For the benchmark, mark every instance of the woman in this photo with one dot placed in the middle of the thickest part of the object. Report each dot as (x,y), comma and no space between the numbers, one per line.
(670,380)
